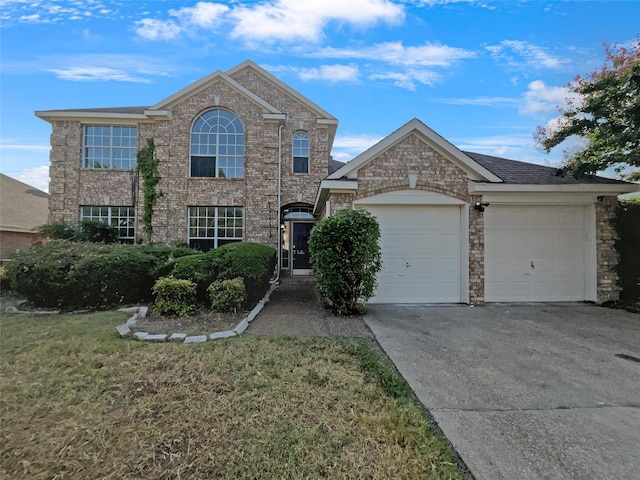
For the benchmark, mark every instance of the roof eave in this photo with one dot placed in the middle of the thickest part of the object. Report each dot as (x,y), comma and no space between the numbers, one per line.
(603,188)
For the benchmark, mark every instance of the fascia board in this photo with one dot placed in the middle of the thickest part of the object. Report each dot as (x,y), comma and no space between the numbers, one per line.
(328,186)
(283,86)
(602,188)
(203,82)
(52,115)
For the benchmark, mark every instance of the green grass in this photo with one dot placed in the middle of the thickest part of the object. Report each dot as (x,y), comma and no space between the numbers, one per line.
(79,402)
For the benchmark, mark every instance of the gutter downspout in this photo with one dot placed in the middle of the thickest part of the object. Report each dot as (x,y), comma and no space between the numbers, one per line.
(279,236)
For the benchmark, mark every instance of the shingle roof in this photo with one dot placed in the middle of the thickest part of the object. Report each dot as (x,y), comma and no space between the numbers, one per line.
(513,171)
(22,207)
(334,165)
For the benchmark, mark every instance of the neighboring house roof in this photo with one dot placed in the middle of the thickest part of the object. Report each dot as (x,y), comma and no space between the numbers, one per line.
(516,172)
(22,207)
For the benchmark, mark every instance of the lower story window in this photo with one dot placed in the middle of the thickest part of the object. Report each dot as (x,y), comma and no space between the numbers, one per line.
(212,227)
(123,218)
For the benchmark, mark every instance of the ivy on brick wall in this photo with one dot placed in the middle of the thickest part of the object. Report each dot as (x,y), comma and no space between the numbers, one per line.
(148,168)
(627,225)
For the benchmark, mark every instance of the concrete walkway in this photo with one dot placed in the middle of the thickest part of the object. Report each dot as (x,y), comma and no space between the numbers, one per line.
(524,392)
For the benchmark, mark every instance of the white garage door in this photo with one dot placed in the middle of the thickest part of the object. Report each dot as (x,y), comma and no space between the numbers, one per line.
(534,253)
(421,254)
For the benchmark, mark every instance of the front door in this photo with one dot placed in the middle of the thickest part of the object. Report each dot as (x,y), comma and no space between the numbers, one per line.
(300,247)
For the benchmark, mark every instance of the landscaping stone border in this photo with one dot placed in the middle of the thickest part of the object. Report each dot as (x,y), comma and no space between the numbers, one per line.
(141,312)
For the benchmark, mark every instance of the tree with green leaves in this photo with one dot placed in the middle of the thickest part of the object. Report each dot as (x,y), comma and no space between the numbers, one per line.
(603,110)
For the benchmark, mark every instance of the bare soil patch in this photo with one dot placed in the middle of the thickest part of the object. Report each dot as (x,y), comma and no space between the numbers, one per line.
(200,323)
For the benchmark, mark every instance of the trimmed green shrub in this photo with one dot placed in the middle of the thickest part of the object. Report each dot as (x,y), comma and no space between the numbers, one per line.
(85,231)
(254,262)
(627,225)
(227,295)
(174,296)
(5,283)
(345,257)
(69,275)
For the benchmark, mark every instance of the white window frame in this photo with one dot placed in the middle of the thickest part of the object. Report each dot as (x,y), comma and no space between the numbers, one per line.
(108,215)
(211,137)
(114,144)
(300,149)
(207,222)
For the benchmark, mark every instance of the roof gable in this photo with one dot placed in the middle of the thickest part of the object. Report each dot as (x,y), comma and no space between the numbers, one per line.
(473,169)
(248,64)
(204,82)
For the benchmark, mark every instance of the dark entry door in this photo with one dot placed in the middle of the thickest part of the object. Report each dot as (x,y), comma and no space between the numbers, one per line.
(300,245)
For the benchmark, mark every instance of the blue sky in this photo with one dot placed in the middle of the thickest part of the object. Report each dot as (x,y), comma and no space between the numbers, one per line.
(483,74)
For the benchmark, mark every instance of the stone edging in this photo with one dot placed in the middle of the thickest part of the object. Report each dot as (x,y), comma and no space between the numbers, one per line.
(141,312)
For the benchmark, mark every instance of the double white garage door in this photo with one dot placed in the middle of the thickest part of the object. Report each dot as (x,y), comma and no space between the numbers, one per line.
(532,253)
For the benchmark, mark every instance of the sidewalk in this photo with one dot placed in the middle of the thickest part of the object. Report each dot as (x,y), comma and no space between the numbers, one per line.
(294,310)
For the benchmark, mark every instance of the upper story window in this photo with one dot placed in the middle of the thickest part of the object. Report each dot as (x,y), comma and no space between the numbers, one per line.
(300,152)
(107,146)
(217,145)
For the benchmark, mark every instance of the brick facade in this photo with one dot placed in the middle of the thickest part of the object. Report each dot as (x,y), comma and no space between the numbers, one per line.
(606,254)
(419,154)
(72,185)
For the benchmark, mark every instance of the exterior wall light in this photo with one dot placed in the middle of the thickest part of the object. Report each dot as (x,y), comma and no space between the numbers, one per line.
(480,206)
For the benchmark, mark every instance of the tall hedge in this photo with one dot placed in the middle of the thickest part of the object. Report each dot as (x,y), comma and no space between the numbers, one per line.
(345,257)
(71,275)
(627,225)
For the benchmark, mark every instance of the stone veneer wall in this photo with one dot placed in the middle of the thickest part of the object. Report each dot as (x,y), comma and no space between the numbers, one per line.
(606,254)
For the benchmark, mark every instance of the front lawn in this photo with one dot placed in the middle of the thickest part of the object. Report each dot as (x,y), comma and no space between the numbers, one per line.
(78,402)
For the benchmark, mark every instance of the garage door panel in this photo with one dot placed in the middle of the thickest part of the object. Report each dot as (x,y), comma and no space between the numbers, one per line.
(538,257)
(421,254)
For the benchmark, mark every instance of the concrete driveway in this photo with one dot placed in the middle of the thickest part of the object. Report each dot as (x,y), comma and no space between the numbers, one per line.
(524,391)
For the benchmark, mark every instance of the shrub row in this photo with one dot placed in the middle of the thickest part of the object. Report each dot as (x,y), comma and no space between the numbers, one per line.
(71,275)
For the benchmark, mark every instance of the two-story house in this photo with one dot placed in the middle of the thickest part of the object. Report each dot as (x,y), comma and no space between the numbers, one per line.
(244,157)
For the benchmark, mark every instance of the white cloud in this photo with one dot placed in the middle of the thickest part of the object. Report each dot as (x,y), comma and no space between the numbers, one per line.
(151,29)
(8,146)
(345,147)
(202,14)
(409,78)
(92,74)
(57,11)
(330,73)
(481,101)
(540,99)
(524,55)
(293,20)
(37,177)
(395,53)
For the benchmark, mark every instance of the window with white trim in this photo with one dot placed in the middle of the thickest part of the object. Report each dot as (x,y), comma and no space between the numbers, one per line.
(217,145)
(212,227)
(110,146)
(300,152)
(123,218)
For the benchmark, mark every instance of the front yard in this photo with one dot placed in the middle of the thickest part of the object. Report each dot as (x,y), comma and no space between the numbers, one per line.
(79,402)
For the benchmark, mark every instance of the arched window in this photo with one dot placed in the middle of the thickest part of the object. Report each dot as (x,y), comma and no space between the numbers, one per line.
(217,145)
(300,152)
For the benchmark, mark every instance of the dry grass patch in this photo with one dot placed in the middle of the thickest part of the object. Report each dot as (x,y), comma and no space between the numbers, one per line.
(77,402)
